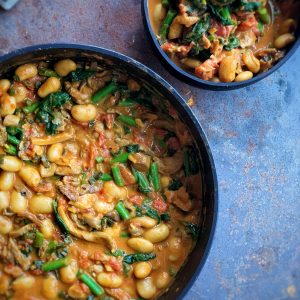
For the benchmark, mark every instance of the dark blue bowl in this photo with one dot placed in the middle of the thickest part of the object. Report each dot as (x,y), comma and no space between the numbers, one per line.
(194,80)
(189,272)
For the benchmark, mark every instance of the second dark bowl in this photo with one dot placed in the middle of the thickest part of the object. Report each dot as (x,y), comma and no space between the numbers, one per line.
(195,81)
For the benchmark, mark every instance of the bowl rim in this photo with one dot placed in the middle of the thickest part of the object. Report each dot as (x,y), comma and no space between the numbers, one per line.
(206,84)
(180,101)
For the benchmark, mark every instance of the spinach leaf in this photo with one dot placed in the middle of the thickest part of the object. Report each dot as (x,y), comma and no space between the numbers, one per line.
(190,161)
(81,74)
(249,6)
(47,72)
(195,34)
(107,221)
(133,148)
(165,217)
(174,185)
(132,258)
(222,14)
(192,229)
(233,42)
(45,110)
(59,220)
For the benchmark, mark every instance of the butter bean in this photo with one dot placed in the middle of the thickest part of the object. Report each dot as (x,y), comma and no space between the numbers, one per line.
(51,85)
(84,112)
(26,71)
(228,68)
(157,234)
(140,245)
(284,40)
(246,75)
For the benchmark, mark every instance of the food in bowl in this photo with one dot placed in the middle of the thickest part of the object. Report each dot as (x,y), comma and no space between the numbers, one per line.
(224,40)
(100,184)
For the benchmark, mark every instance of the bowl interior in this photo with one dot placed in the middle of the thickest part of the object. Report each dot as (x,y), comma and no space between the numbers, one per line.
(189,78)
(120,62)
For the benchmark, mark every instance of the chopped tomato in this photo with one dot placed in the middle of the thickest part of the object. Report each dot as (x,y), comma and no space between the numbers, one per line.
(158,203)
(115,264)
(83,260)
(222,30)
(249,23)
(136,200)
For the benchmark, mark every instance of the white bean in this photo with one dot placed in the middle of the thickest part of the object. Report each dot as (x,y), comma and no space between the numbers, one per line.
(84,112)
(109,280)
(146,288)
(157,234)
(47,229)
(68,274)
(162,280)
(26,71)
(284,40)
(144,221)
(287,25)
(55,152)
(40,204)
(4,85)
(140,245)
(4,283)
(7,180)
(25,282)
(142,269)
(159,12)
(30,175)
(64,67)
(8,105)
(6,225)
(251,62)
(10,163)
(50,287)
(51,85)
(4,200)
(20,93)
(18,203)
(228,68)
(11,120)
(246,75)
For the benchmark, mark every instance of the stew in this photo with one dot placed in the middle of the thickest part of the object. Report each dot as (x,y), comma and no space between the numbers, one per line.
(100,185)
(224,40)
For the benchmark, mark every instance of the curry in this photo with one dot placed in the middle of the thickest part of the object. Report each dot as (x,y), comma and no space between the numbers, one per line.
(100,185)
(224,40)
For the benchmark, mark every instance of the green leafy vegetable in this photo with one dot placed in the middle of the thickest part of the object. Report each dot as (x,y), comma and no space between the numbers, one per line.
(81,74)
(45,110)
(164,29)
(118,252)
(195,34)
(192,229)
(233,42)
(174,185)
(165,217)
(222,14)
(47,72)
(249,6)
(132,258)
(133,148)
(107,221)
(104,92)
(59,220)
(190,161)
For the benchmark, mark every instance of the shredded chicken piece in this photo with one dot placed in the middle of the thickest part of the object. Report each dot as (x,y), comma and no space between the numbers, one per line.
(36,219)
(3,135)
(209,68)
(81,94)
(69,191)
(53,139)
(22,260)
(170,165)
(187,20)
(118,294)
(95,237)
(21,231)
(180,198)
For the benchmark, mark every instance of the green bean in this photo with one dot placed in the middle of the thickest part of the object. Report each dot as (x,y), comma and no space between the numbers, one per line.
(144,186)
(47,72)
(105,177)
(117,175)
(99,159)
(123,212)
(263,15)
(10,149)
(31,108)
(55,264)
(165,2)
(38,240)
(127,120)
(13,140)
(102,93)
(127,102)
(95,288)
(155,176)
(121,158)
(166,24)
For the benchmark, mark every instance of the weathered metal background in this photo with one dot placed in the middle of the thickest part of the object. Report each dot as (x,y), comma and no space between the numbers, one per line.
(254,134)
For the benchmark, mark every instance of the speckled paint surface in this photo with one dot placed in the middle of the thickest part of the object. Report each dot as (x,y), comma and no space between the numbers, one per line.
(254,134)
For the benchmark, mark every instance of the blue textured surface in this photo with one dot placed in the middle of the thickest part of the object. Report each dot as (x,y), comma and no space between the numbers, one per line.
(253,134)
